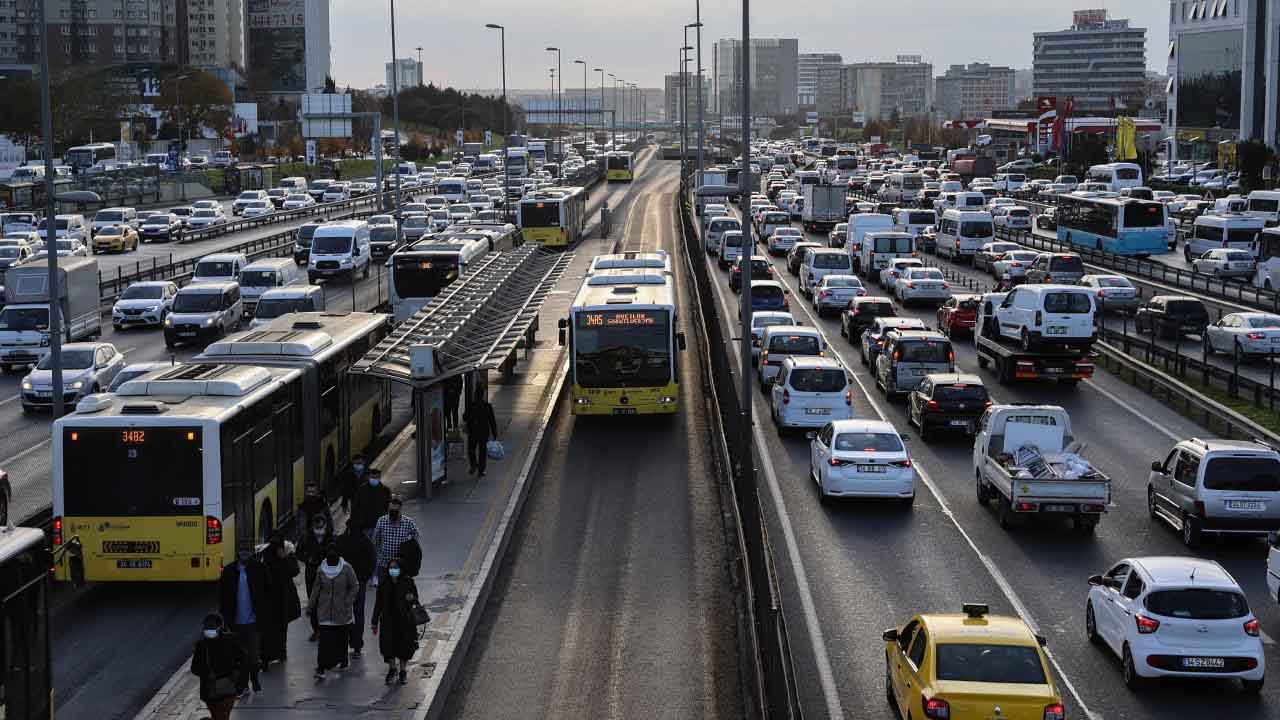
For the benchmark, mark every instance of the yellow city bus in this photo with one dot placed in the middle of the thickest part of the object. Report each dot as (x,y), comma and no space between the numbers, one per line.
(619,166)
(159,479)
(624,343)
(553,216)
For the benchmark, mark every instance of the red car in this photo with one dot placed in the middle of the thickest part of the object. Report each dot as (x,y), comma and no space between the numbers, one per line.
(959,314)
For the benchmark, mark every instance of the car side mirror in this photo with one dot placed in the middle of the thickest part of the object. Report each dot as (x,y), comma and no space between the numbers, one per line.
(1096,580)
(889,635)
(810,435)
(1157,466)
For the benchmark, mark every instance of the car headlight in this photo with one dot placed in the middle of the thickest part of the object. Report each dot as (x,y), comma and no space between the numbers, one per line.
(154,308)
(77,384)
(26,385)
(168,321)
(346,261)
(208,321)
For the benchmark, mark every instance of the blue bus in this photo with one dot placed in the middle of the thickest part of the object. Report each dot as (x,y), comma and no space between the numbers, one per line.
(1122,226)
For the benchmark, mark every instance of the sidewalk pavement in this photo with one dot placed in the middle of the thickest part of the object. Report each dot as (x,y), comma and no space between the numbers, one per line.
(464,532)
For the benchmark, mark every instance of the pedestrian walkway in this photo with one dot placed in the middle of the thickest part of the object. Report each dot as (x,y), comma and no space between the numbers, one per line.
(461,528)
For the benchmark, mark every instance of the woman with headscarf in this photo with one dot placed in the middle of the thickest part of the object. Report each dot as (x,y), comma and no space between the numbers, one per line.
(318,537)
(393,621)
(217,660)
(282,568)
(332,605)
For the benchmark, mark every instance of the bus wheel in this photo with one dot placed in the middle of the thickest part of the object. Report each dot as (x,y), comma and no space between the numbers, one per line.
(265,525)
(4,507)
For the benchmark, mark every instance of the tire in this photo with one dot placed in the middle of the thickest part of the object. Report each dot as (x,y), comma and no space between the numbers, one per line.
(1190,531)
(1084,525)
(1026,340)
(1252,687)
(888,686)
(1004,512)
(1090,624)
(1151,503)
(1132,679)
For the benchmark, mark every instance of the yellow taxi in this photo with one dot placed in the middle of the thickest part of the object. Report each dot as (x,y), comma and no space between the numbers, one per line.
(115,238)
(969,666)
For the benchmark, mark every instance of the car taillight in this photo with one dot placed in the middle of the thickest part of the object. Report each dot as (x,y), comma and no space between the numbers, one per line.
(1102,293)
(212,530)
(946,286)
(57,531)
(1016,264)
(911,286)
(901,463)
(894,273)
(936,709)
(1039,317)
(835,462)
(1255,336)
(1146,625)
(932,404)
(1251,628)
(1199,508)
(824,293)
(1054,712)
(786,396)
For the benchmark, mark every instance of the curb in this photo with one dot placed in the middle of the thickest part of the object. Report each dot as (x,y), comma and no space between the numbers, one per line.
(450,655)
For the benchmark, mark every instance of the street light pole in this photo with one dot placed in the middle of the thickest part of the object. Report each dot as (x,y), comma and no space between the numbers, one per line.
(506,124)
(583,63)
(613,131)
(684,107)
(744,187)
(395,112)
(698,23)
(50,219)
(559,102)
(177,165)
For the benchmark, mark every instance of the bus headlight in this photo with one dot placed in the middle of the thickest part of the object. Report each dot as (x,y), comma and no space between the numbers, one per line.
(582,401)
(666,400)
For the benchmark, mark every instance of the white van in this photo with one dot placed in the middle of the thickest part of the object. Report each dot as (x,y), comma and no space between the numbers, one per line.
(339,248)
(219,268)
(821,262)
(902,187)
(1037,315)
(453,189)
(717,227)
(913,221)
(879,248)
(961,233)
(1233,231)
(261,275)
(1117,176)
(1265,204)
(280,301)
(731,242)
(112,216)
(27,173)
(862,223)
(294,184)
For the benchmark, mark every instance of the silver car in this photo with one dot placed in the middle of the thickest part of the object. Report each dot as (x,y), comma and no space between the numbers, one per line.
(833,293)
(143,303)
(1114,293)
(1222,487)
(86,368)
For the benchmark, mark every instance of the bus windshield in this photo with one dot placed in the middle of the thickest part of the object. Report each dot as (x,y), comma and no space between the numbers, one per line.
(417,276)
(540,214)
(113,472)
(622,348)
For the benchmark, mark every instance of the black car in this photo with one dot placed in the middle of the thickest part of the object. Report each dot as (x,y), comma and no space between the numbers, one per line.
(1172,316)
(861,313)
(948,402)
(760,270)
(302,243)
(384,240)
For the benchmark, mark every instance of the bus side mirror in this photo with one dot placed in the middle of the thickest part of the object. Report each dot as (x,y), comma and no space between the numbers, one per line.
(74,556)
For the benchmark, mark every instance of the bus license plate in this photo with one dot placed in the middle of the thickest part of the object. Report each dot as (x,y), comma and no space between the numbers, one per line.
(1211,663)
(133,564)
(131,547)
(624,411)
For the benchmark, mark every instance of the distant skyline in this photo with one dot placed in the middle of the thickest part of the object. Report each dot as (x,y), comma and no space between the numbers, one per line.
(639,42)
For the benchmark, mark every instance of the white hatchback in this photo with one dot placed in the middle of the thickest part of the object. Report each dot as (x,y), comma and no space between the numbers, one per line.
(782,239)
(861,459)
(1175,617)
(810,392)
(894,270)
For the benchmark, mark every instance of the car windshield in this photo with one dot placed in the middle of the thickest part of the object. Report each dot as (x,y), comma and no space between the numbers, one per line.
(156,220)
(1198,604)
(250,195)
(142,292)
(203,213)
(966,662)
(383,234)
(297,198)
(831,261)
(200,302)
(868,442)
(924,351)
(764,321)
(416,221)
(794,344)
(75,359)
(1243,473)
(214,268)
(109,216)
(975,229)
(331,245)
(824,380)
(1067,303)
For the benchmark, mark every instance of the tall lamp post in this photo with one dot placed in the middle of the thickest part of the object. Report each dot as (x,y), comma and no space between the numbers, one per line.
(177,165)
(602,74)
(50,217)
(583,63)
(685,111)
(698,24)
(613,133)
(559,101)
(395,111)
(506,124)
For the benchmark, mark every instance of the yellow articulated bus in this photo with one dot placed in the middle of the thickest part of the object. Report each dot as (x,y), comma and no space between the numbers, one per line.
(160,479)
(624,343)
(553,216)
(619,166)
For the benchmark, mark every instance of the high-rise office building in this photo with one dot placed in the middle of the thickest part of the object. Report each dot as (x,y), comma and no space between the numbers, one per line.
(287,45)
(214,33)
(1099,62)
(773,76)
(969,92)
(880,90)
(408,73)
(671,88)
(89,33)
(818,82)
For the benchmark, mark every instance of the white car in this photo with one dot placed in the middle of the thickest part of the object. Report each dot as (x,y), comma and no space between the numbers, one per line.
(248,196)
(459,214)
(1038,315)
(257,208)
(783,239)
(1114,293)
(297,201)
(336,192)
(891,272)
(203,217)
(834,291)
(143,303)
(66,248)
(761,319)
(1053,190)
(1011,217)
(1225,262)
(861,459)
(996,202)
(921,284)
(810,392)
(1175,617)
(1256,333)
(1013,264)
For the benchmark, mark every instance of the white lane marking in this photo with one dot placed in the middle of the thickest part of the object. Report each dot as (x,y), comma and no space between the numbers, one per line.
(1005,586)
(826,677)
(1134,411)
(1266,639)
(11,460)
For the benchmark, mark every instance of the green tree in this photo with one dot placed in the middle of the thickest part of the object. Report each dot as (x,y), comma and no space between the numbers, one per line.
(20,111)
(1252,157)
(205,102)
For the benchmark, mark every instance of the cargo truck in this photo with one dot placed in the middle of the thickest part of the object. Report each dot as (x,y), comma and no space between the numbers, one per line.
(24,321)
(824,206)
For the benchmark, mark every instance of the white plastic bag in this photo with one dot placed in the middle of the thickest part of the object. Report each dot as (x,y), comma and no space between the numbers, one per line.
(494,450)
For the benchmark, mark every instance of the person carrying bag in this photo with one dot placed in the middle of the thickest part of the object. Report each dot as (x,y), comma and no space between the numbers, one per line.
(217,660)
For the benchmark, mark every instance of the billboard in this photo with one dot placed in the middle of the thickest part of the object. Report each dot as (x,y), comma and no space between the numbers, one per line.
(315,108)
(277,43)
(245,121)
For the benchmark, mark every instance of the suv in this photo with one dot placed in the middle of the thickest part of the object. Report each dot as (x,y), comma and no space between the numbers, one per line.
(1216,486)
(1057,268)
(1172,316)
(908,356)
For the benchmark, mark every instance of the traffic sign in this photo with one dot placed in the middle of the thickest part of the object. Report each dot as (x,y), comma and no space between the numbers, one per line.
(311,153)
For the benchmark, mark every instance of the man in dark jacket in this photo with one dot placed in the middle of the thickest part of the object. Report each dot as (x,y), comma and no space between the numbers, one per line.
(369,503)
(313,505)
(358,551)
(352,478)
(244,597)
(481,425)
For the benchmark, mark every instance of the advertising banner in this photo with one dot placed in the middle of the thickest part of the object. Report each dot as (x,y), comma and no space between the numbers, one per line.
(311,152)
(277,42)
(245,120)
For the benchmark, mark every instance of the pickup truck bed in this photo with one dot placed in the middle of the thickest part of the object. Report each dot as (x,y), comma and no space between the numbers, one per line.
(1083,499)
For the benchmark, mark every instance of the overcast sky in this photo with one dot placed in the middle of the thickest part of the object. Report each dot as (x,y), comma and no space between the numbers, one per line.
(639,41)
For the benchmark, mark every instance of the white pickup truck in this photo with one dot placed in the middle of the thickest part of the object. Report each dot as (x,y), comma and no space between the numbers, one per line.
(1026,458)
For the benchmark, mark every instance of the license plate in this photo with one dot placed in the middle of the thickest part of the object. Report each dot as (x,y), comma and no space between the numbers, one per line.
(1053,370)
(44,393)
(817,411)
(624,411)
(872,468)
(1058,508)
(1055,330)
(134,564)
(1213,663)
(131,547)
(959,423)
(1248,505)
(187,334)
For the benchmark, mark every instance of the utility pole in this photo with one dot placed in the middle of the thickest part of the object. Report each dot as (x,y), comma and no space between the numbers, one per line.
(698,22)
(395,111)
(419,49)
(50,220)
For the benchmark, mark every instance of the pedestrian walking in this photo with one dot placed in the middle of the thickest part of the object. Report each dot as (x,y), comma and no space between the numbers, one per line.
(481,426)
(313,505)
(392,531)
(312,553)
(282,567)
(243,596)
(332,602)
(393,620)
(452,398)
(358,551)
(369,503)
(217,660)
(352,478)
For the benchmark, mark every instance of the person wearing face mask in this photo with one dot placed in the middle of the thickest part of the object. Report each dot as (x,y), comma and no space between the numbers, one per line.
(391,532)
(357,550)
(312,554)
(352,478)
(313,506)
(282,568)
(393,616)
(332,603)
(369,503)
(244,593)
(217,660)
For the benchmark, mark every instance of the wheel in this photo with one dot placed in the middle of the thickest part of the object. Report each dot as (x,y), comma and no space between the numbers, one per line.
(1190,531)
(888,685)
(1084,525)
(366,270)
(1090,624)
(1132,679)
(1252,687)
(118,327)
(1004,512)
(168,343)
(1151,502)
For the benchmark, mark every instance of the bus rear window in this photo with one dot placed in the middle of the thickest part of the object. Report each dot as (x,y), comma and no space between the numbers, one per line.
(113,472)
(1144,214)
(540,214)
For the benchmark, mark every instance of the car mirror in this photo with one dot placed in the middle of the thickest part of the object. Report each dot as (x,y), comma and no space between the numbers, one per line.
(810,435)
(889,635)
(1157,466)
(1095,580)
